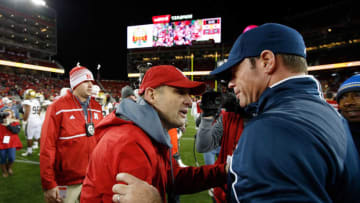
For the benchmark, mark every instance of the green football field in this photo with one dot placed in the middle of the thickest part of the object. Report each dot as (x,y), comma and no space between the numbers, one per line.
(25,187)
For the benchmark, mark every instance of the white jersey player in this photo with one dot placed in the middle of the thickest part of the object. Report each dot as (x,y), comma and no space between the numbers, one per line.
(32,108)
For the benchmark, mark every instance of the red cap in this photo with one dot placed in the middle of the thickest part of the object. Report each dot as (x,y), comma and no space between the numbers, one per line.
(171,76)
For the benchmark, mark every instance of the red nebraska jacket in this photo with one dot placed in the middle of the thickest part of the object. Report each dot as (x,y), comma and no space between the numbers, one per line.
(65,149)
(132,140)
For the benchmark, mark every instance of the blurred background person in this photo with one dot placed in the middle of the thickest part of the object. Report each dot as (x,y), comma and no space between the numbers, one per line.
(220,131)
(32,109)
(329,97)
(175,134)
(9,140)
(348,97)
(128,92)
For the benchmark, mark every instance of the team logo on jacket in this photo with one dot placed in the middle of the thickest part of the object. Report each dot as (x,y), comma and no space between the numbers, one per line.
(72,117)
(96,116)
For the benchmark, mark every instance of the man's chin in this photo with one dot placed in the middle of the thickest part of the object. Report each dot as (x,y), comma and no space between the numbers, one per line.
(179,124)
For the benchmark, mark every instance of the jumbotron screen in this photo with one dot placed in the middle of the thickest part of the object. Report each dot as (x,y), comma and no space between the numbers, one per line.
(174,33)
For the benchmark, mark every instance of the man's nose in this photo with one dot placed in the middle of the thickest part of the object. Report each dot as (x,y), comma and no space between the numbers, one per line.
(188,100)
(231,84)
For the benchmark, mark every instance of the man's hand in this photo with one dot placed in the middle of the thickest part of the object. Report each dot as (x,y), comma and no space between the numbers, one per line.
(52,195)
(136,190)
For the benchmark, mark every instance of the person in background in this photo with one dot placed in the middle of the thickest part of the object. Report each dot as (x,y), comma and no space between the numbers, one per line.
(348,98)
(128,92)
(67,139)
(220,130)
(329,97)
(135,140)
(174,138)
(117,102)
(9,140)
(31,108)
(108,106)
(195,109)
(211,103)
(16,105)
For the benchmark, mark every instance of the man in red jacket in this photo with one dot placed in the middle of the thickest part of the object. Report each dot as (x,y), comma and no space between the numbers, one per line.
(134,139)
(67,139)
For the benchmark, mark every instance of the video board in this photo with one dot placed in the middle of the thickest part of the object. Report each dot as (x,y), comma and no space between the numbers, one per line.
(174,33)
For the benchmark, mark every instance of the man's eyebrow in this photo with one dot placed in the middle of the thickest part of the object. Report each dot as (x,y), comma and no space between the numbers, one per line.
(182,90)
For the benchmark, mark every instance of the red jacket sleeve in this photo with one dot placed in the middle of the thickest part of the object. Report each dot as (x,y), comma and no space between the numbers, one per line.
(49,134)
(195,179)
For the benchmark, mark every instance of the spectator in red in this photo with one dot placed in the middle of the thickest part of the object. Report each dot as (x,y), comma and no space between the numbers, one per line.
(9,141)
(67,139)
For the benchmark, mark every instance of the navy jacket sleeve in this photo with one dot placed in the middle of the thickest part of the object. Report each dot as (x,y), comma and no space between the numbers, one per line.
(278,162)
(14,127)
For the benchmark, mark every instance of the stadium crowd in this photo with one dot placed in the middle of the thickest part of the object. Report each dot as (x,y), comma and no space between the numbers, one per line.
(14,85)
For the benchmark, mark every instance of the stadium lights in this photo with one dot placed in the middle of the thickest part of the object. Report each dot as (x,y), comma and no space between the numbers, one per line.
(197,73)
(30,66)
(39,2)
(310,68)
(334,66)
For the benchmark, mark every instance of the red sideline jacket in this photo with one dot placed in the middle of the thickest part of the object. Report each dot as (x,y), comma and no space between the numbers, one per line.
(14,141)
(233,125)
(65,149)
(124,147)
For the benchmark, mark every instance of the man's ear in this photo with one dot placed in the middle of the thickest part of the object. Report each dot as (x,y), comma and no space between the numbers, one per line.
(268,61)
(149,95)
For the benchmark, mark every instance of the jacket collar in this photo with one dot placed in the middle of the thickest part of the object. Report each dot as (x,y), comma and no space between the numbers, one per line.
(291,86)
(144,116)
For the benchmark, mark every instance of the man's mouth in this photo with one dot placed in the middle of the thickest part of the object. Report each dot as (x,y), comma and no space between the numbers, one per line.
(183,112)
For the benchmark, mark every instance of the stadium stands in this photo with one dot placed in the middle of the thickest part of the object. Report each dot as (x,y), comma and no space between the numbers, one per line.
(15,85)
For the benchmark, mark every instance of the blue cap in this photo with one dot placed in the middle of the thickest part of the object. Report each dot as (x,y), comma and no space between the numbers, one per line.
(352,84)
(277,38)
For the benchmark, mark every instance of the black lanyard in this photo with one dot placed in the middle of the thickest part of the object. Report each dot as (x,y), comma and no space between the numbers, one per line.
(85,111)
(89,126)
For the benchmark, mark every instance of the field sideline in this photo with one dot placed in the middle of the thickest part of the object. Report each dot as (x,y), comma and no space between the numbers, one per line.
(25,187)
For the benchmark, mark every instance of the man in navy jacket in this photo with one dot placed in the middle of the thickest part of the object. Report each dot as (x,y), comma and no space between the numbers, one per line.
(297,148)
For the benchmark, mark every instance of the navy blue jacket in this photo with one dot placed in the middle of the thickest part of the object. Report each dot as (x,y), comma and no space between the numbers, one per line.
(297,149)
